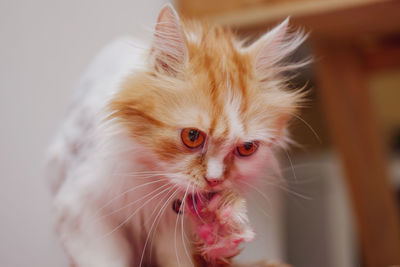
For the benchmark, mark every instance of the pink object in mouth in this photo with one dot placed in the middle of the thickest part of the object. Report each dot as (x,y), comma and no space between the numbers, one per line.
(221,223)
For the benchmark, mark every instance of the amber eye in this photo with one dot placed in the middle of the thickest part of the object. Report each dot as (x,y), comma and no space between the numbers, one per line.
(247,148)
(192,138)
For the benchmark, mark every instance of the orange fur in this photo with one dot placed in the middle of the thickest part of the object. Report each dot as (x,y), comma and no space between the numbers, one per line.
(157,103)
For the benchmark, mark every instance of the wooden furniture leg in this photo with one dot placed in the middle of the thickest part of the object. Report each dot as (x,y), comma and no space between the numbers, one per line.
(342,88)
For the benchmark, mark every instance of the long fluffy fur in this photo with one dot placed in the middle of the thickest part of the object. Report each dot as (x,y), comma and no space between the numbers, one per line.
(119,161)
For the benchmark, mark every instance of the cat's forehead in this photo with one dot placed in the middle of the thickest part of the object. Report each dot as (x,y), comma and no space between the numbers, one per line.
(217,51)
(218,75)
(225,120)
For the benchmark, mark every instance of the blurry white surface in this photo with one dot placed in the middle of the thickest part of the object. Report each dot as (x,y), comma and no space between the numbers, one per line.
(45,46)
(320,227)
(267,217)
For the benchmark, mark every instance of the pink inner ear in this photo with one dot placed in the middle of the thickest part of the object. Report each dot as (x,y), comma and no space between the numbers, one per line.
(169,48)
(267,50)
(271,48)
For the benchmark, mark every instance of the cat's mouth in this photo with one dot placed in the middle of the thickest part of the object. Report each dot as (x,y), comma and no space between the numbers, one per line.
(194,203)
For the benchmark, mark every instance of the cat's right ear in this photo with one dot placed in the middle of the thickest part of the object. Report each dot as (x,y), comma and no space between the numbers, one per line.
(169,51)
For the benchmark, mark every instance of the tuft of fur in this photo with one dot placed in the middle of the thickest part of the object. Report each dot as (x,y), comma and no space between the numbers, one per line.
(119,161)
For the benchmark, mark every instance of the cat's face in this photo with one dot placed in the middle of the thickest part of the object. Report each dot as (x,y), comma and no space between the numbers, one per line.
(209,109)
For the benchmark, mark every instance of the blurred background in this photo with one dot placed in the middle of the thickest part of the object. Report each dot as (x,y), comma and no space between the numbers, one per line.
(340,203)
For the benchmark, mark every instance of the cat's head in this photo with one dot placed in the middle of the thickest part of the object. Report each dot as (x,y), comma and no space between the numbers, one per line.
(209,108)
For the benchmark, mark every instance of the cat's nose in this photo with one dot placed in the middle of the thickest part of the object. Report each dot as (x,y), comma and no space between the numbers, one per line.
(213,181)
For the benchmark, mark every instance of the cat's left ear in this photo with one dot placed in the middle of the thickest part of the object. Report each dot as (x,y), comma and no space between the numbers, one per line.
(169,51)
(273,47)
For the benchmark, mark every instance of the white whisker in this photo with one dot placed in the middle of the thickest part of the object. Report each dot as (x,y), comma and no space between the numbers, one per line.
(195,206)
(131,203)
(152,225)
(176,249)
(159,219)
(257,190)
(126,192)
(134,213)
(291,164)
(182,228)
(288,190)
(309,126)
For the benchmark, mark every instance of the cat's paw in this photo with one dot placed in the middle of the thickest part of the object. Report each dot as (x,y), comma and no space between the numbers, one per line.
(221,225)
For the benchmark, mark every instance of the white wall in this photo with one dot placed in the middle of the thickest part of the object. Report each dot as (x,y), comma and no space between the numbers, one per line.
(45,45)
(320,228)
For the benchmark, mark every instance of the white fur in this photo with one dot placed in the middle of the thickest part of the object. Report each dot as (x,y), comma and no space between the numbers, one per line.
(89,164)
(215,168)
(232,109)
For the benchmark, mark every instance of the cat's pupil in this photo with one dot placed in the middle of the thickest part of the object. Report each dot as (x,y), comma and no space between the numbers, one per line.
(193,135)
(248,145)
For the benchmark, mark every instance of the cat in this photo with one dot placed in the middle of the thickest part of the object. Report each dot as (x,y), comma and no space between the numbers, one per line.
(197,116)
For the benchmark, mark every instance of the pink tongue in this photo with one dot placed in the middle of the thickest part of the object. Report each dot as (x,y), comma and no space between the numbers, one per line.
(196,203)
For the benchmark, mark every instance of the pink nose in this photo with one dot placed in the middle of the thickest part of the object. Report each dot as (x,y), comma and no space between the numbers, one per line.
(214,182)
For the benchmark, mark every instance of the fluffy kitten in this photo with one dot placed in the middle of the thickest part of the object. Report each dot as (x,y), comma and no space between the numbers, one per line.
(195,120)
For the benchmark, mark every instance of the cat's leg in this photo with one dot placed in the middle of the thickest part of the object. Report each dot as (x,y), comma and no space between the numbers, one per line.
(90,242)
